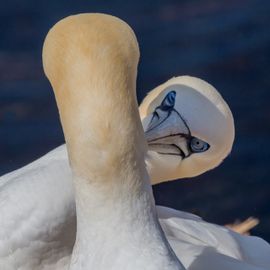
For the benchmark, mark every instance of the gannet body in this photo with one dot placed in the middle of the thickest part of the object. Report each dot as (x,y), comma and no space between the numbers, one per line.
(37,201)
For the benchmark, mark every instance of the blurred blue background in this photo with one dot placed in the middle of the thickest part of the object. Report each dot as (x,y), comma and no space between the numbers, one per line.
(227,43)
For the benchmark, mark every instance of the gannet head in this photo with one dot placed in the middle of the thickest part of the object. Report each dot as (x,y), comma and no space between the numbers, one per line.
(189,128)
(88,59)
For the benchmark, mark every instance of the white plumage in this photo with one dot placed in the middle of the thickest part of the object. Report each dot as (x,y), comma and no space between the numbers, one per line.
(38,225)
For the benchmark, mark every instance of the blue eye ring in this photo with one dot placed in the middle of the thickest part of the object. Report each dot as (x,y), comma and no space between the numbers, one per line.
(169,101)
(198,146)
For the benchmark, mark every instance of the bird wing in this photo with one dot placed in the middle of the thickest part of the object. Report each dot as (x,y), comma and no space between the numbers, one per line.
(37,211)
(199,243)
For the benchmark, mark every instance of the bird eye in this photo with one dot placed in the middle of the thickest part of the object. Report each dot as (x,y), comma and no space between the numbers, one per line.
(168,101)
(198,146)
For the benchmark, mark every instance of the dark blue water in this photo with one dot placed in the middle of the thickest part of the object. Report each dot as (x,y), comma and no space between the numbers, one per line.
(224,42)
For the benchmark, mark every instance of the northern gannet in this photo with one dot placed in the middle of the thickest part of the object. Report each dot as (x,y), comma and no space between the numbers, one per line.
(45,219)
(189,128)
(93,74)
(37,201)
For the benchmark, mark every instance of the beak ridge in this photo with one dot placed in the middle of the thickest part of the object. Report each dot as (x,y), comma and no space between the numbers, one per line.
(167,133)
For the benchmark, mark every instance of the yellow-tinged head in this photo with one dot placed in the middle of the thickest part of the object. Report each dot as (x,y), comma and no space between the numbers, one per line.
(91,61)
(189,128)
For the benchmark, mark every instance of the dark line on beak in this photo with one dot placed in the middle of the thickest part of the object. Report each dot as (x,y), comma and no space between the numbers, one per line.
(182,153)
(171,135)
(184,121)
(156,114)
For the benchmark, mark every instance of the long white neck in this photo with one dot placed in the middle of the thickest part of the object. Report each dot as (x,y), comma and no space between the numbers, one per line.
(117,227)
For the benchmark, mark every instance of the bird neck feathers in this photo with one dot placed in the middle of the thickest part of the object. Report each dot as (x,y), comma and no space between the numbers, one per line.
(91,61)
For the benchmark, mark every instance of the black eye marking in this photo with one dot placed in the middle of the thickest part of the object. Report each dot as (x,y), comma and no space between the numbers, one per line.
(168,102)
(167,106)
(198,146)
